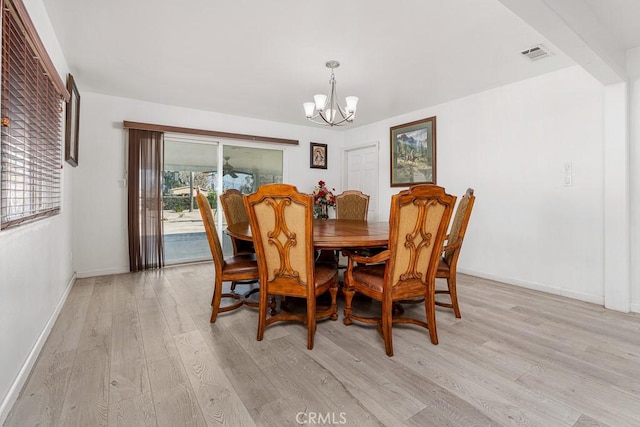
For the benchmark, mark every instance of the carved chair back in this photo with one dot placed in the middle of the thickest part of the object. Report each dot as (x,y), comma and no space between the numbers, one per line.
(210,228)
(459,227)
(418,226)
(233,206)
(281,221)
(234,211)
(352,204)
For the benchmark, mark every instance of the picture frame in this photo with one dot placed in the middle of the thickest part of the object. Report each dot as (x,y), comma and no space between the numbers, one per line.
(413,153)
(72,123)
(318,156)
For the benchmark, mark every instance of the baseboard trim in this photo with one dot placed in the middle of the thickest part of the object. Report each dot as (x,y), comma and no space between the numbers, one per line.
(95,273)
(635,307)
(23,375)
(595,299)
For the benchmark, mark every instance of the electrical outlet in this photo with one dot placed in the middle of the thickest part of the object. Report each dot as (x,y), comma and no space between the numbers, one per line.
(568,180)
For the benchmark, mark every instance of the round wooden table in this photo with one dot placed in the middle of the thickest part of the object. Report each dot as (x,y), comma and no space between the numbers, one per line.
(333,233)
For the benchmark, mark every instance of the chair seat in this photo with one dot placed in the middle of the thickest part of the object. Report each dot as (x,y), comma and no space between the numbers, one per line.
(240,264)
(324,275)
(370,276)
(443,268)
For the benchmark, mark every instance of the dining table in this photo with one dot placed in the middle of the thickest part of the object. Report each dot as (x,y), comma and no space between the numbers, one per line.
(332,234)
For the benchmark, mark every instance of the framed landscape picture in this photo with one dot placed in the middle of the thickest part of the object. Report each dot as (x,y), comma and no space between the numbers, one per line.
(413,153)
(318,155)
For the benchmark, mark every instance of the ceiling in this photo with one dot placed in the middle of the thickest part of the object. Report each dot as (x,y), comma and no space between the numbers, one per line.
(620,18)
(263,59)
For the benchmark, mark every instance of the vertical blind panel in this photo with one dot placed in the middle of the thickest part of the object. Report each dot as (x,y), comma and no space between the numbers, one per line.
(31,130)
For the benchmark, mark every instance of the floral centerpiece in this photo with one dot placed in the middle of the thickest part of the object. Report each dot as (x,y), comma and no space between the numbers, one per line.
(322,199)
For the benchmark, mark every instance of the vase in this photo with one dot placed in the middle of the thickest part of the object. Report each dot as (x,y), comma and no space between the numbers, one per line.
(322,212)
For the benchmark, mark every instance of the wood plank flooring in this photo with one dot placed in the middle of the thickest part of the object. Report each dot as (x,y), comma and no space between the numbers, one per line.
(138,350)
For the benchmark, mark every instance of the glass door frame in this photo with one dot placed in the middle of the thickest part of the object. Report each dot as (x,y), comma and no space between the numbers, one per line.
(187,140)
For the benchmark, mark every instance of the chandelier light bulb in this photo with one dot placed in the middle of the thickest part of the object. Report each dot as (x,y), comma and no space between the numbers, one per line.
(321,101)
(352,102)
(309,108)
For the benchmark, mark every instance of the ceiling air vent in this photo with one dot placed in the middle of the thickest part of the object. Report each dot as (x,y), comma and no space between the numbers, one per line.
(537,52)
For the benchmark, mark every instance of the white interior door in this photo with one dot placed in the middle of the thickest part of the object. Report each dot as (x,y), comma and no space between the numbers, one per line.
(361,173)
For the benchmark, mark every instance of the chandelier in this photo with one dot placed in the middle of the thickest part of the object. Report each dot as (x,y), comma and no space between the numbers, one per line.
(325,109)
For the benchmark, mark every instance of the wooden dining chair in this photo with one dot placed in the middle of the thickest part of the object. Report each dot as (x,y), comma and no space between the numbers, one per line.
(281,221)
(407,269)
(447,267)
(229,269)
(235,212)
(352,204)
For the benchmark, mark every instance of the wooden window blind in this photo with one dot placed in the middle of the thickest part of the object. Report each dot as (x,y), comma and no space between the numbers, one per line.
(31,127)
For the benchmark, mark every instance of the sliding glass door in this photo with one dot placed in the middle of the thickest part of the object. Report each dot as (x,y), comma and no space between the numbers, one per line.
(188,164)
(245,169)
(191,162)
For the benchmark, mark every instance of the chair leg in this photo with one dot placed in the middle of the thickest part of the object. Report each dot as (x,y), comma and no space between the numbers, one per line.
(233,286)
(311,322)
(451,283)
(262,312)
(348,297)
(217,297)
(333,290)
(387,322)
(430,307)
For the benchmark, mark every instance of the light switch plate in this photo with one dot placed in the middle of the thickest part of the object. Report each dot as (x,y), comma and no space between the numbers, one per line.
(568,168)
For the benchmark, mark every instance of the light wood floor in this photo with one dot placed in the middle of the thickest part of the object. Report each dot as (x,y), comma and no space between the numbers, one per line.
(138,349)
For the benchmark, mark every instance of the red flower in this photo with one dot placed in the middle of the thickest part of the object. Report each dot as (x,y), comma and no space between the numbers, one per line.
(322,195)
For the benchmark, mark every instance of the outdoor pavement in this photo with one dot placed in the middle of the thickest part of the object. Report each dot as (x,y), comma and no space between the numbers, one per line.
(183,222)
(185,239)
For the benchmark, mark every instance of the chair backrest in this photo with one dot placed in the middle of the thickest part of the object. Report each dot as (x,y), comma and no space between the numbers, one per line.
(418,225)
(281,221)
(210,228)
(233,206)
(459,226)
(352,204)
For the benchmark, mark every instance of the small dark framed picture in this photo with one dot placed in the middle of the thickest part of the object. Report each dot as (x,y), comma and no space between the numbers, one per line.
(318,156)
(72,123)
(413,153)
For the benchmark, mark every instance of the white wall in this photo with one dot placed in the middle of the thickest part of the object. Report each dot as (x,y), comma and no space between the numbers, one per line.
(36,268)
(633,69)
(510,144)
(101,226)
